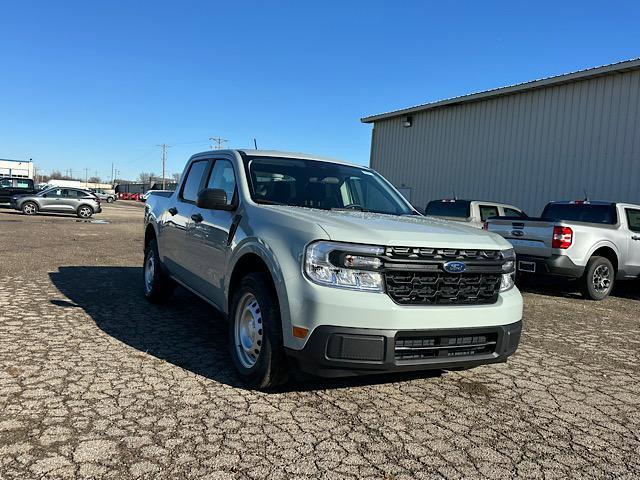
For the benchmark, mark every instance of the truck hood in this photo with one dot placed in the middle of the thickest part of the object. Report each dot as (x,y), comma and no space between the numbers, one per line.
(393,230)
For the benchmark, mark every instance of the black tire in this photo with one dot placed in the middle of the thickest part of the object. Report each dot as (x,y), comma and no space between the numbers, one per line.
(270,368)
(594,281)
(110,199)
(84,211)
(29,208)
(158,287)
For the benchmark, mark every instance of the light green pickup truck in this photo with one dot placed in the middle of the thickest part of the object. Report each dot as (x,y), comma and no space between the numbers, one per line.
(322,266)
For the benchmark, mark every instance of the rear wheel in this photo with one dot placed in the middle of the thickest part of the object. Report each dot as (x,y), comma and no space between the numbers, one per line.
(157,284)
(29,208)
(255,333)
(85,211)
(598,280)
(110,199)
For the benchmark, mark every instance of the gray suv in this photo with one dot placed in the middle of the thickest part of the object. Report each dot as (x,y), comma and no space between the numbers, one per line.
(81,202)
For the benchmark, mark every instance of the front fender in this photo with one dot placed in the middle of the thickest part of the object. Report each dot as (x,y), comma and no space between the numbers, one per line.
(261,249)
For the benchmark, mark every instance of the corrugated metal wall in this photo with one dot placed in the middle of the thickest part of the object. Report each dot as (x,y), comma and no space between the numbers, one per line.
(525,149)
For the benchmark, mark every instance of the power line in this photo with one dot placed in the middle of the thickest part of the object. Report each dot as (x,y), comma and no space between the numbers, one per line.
(219,141)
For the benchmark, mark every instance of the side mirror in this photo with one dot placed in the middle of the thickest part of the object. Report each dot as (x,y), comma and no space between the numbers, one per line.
(213,199)
(44,195)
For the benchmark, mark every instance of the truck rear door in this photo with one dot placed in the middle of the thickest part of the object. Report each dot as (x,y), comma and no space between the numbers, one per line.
(632,217)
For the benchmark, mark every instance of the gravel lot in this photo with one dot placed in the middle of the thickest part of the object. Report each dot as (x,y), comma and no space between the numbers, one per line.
(95,382)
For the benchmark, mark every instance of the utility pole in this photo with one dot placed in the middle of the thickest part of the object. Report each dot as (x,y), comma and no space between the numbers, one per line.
(111,173)
(86,177)
(164,147)
(219,141)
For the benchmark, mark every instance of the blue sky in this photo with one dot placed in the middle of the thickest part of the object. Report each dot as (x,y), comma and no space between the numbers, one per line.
(85,84)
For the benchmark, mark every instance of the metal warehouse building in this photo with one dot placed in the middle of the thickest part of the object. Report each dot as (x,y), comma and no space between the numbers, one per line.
(526,144)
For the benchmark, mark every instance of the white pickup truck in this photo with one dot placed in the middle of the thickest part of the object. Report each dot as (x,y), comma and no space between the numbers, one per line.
(472,212)
(323,266)
(596,242)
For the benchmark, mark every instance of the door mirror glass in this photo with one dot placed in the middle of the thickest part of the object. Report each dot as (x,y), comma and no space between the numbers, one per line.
(213,199)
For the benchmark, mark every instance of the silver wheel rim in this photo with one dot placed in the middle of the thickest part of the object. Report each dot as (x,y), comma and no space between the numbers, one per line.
(248,330)
(601,279)
(149,271)
(29,208)
(85,212)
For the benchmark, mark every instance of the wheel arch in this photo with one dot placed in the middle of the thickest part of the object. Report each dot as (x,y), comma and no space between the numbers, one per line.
(607,250)
(252,258)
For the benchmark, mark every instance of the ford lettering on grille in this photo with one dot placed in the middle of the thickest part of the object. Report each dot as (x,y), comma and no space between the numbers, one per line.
(454,267)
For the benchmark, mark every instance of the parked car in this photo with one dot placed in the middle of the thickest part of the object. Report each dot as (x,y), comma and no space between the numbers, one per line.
(323,266)
(11,186)
(81,202)
(596,242)
(472,212)
(102,195)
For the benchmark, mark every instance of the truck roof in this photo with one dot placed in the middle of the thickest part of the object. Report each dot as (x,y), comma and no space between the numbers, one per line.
(279,153)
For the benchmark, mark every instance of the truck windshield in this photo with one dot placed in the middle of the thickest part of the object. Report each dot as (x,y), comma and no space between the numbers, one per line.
(581,212)
(449,208)
(321,185)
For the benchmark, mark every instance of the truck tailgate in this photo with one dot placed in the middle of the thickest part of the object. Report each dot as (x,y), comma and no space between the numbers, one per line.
(528,237)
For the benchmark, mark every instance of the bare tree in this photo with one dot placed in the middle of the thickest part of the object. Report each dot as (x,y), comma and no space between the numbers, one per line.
(176,177)
(55,175)
(94,180)
(146,177)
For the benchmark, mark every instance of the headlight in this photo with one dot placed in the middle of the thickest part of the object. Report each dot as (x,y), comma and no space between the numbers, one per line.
(343,265)
(508,279)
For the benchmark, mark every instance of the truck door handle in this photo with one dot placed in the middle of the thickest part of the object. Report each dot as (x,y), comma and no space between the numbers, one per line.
(635,237)
(173,211)
(196,217)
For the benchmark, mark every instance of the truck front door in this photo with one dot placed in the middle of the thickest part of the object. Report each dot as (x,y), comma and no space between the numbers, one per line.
(208,235)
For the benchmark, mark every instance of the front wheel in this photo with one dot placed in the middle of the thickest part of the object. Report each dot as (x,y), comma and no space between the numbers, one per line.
(30,208)
(598,280)
(110,199)
(85,211)
(255,333)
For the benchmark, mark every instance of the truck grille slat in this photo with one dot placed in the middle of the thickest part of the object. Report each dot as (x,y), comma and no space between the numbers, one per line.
(422,347)
(420,288)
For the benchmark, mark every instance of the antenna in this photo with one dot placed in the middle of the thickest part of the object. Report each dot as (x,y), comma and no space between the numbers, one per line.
(586,197)
(454,194)
(255,144)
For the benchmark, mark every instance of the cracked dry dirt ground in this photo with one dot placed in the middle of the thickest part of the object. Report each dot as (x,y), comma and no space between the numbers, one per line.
(94,382)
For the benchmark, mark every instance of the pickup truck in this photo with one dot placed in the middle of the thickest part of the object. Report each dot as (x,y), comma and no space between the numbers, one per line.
(595,242)
(322,266)
(472,212)
(11,186)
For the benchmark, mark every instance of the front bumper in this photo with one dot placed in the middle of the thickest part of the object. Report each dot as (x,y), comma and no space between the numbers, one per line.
(559,265)
(344,351)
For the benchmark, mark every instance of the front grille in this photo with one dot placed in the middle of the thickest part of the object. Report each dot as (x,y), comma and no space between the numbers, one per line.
(433,288)
(413,253)
(446,346)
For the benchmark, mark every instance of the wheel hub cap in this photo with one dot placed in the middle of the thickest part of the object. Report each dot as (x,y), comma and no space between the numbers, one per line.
(601,279)
(248,330)
(149,271)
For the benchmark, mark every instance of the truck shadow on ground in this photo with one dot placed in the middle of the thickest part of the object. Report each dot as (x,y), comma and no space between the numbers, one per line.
(558,287)
(186,332)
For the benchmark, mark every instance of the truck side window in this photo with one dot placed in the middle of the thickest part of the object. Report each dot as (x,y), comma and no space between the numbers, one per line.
(510,212)
(487,211)
(6,183)
(193,181)
(223,177)
(633,219)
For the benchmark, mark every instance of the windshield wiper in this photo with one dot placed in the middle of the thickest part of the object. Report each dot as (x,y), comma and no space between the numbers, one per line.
(353,206)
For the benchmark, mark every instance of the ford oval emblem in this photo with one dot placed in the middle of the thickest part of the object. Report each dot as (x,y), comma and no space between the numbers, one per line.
(455,267)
